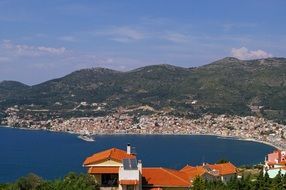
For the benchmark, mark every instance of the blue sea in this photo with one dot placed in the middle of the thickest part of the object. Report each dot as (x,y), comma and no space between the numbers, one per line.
(52,155)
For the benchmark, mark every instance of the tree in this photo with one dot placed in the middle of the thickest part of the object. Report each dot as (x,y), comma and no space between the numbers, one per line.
(245,183)
(267,181)
(29,182)
(222,161)
(199,184)
(233,183)
(4,186)
(284,181)
(74,181)
(277,181)
(259,183)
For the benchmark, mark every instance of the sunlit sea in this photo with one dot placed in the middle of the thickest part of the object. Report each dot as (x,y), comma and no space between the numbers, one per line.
(52,155)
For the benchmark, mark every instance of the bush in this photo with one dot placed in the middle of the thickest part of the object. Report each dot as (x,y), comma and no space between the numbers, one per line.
(72,181)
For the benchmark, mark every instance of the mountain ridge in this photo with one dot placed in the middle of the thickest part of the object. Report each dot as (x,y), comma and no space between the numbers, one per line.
(232,59)
(226,86)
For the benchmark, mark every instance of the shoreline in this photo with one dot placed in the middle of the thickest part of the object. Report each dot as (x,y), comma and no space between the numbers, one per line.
(154,134)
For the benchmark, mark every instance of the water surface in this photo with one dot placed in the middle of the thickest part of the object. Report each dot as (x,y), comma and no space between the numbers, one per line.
(52,155)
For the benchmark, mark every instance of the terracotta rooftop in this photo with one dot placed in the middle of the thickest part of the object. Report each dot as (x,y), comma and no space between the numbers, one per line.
(103,170)
(129,182)
(222,169)
(110,154)
(163,177)
(193,172)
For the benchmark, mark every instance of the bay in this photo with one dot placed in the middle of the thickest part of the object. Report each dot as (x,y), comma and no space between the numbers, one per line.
(52,155)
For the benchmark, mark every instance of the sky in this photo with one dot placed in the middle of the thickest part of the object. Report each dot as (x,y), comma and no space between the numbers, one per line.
(42,40)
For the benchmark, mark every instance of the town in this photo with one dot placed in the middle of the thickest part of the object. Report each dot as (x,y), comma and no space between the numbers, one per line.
(247,128)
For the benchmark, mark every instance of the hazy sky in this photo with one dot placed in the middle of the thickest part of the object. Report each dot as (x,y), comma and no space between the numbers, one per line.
(44,39)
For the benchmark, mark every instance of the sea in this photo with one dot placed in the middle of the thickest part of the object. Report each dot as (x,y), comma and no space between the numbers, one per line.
(52,155)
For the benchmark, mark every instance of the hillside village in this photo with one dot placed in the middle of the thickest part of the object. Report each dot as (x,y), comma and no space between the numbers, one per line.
(227,86)
(247,128)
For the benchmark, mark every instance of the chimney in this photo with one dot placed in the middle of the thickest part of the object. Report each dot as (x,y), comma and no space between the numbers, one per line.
(128,149)
(139,165)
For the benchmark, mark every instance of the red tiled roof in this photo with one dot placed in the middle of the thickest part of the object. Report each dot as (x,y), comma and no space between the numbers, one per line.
(163,177)
(223,169)
(129,182)
(187,167)
(103,170)
(112,154)
(193,172)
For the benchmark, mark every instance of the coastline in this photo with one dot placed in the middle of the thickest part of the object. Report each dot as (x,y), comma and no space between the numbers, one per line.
(154,134)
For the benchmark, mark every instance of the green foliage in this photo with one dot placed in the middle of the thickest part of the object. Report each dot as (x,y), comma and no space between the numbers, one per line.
(260,182)
(221,161)
(76,182)
(29,182)
(199,184)
(72,181)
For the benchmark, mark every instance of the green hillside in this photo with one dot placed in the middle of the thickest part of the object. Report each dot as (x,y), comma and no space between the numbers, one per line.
(227,86)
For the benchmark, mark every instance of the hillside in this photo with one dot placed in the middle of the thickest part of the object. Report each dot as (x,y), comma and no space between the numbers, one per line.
(10,88)
(227,86)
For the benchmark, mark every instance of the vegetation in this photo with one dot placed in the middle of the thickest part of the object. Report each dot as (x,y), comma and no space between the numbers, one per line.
(70,182)
(227,86)
(74,181)
(249,182)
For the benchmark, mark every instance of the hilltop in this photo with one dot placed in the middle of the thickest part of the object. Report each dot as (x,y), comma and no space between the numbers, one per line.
(227,86)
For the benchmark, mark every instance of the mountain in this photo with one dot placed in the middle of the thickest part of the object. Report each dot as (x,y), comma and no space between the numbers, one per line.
(226,86)
(10,88)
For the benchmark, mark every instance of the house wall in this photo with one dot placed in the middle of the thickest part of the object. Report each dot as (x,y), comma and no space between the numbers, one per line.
(109,188)
(128,174)
(278,166)
(273,157)
(97,178)
(273,172)
(209,177)
(226,178)
(124,187)
(168,188)
(283,155)
(175,188)
(106,163)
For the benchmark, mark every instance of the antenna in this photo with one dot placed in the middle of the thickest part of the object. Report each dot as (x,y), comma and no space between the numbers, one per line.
(203,159)
(133,150)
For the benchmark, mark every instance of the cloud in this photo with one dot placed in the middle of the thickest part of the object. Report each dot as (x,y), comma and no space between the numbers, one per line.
(244,53)
(68,38)
(233,26)
(122,34)
(125,34)
(31,51)
(4,59)
(177,38)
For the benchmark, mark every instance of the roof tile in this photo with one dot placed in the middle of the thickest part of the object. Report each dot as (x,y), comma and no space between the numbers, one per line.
(163,177)
(112,154)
